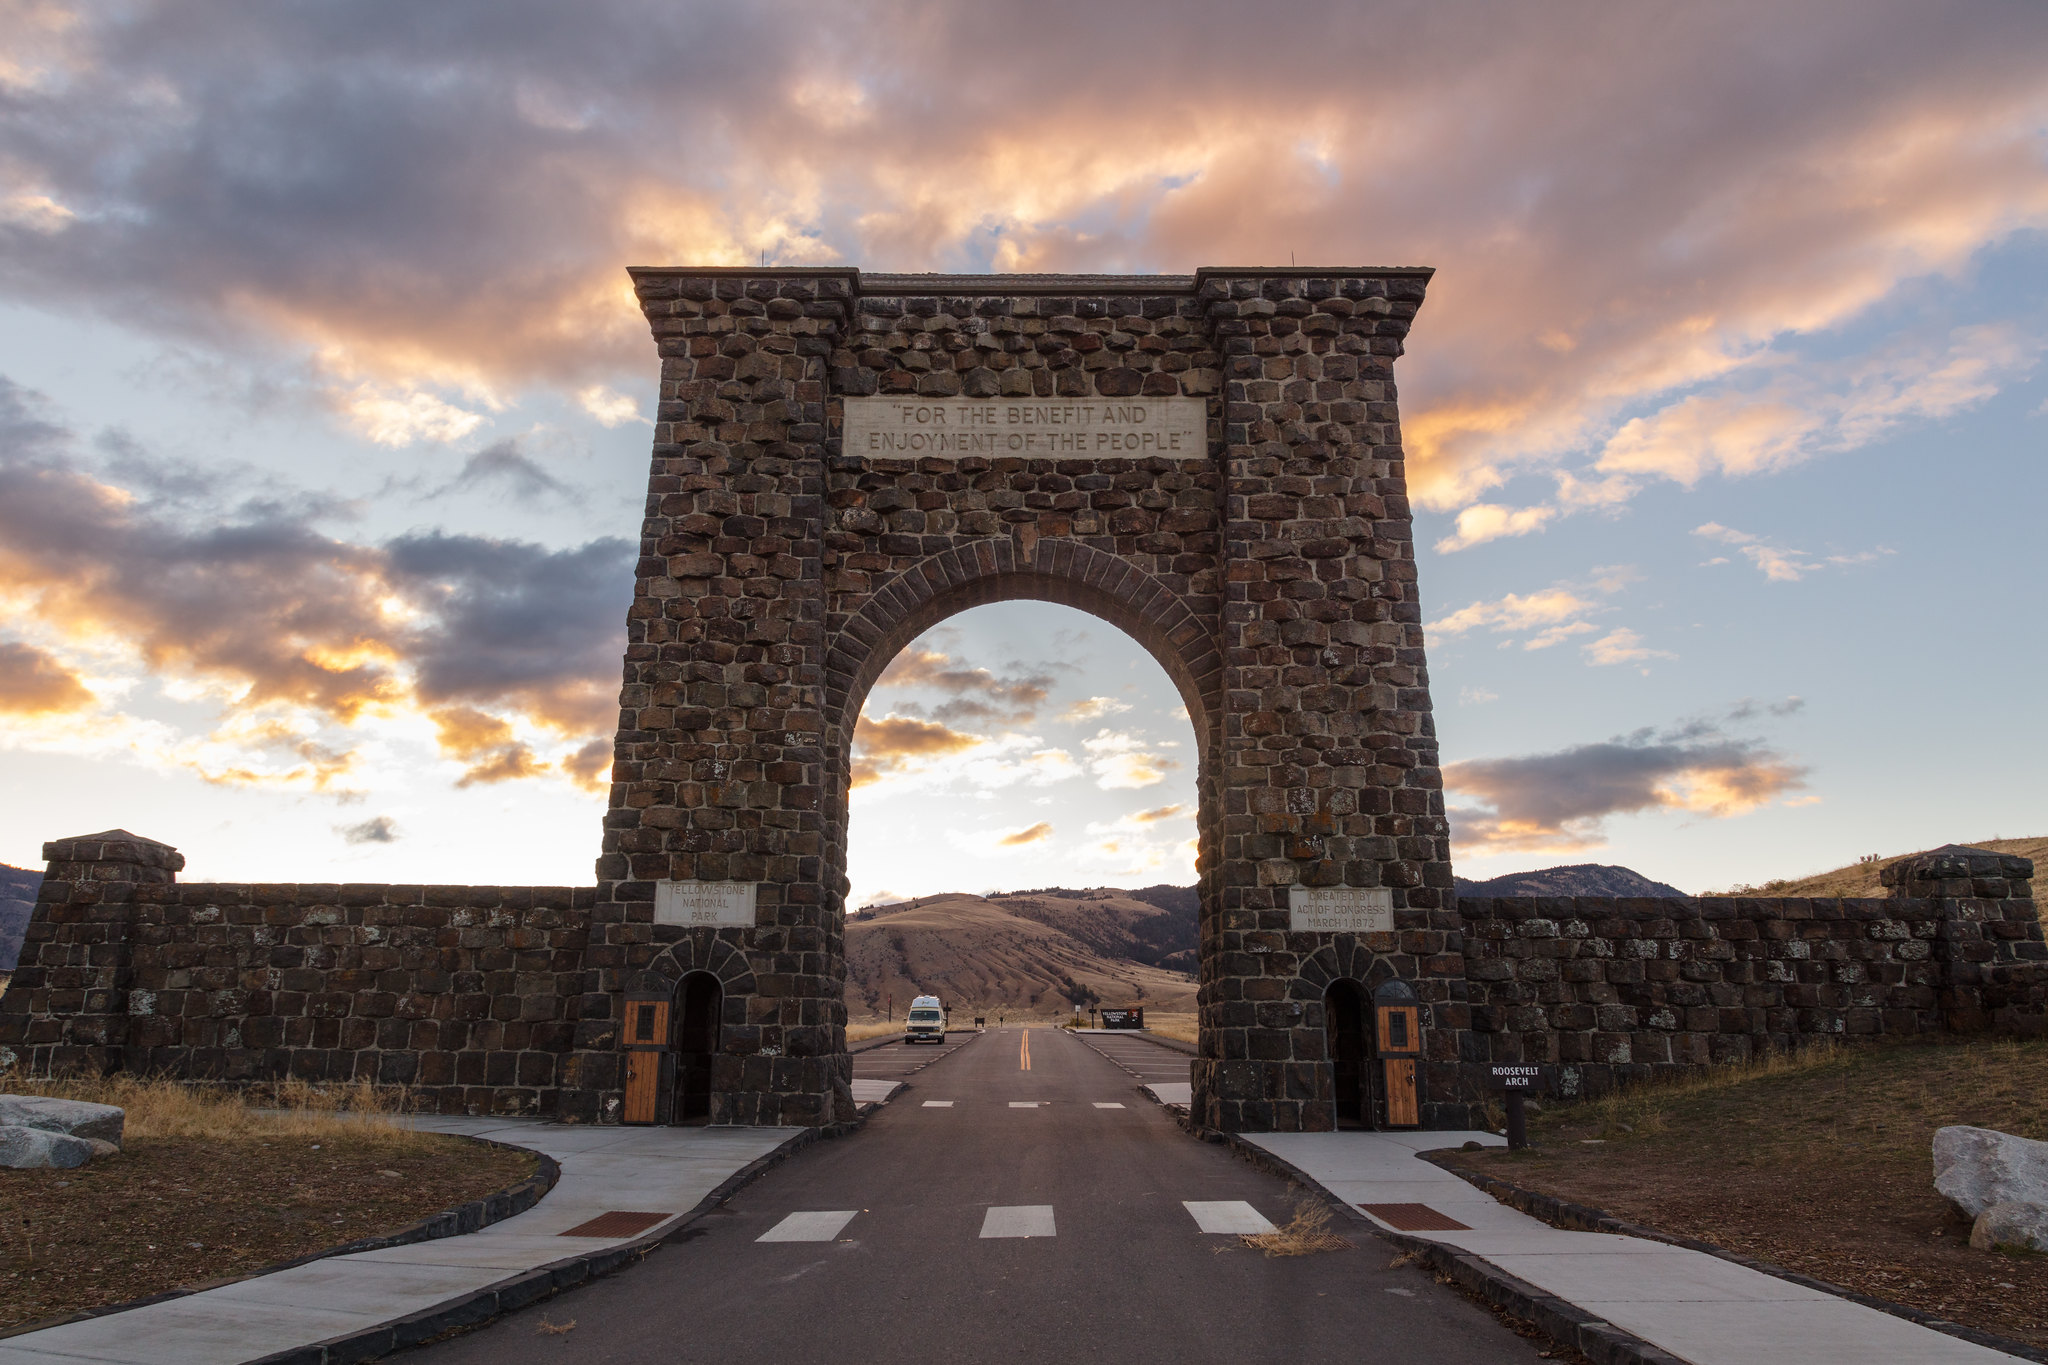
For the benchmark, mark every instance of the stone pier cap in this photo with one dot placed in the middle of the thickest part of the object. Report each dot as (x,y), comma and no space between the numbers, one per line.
(114,846)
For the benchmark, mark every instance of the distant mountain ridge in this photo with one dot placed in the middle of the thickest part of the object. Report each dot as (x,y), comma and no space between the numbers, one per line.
(1579,879)
(18,888)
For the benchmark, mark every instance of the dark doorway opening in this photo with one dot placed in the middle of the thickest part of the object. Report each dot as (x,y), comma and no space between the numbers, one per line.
(1345,1013)
(699,1003)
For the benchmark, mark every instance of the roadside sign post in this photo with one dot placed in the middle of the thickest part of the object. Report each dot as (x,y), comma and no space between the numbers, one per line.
(1517,1082)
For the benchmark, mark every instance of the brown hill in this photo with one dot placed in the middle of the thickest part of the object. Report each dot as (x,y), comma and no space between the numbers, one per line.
(1860,878)
(1033,955)
(1155,926)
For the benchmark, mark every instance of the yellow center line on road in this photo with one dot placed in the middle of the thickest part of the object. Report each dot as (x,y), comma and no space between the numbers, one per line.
(1024,1057)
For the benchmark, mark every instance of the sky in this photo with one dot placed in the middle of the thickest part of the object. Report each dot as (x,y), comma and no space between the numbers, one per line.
(324,407)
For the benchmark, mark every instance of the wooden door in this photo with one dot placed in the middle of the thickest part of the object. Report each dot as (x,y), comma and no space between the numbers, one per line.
(1403,1108)
(1400,1029)
(1397,1039)
(647,1060)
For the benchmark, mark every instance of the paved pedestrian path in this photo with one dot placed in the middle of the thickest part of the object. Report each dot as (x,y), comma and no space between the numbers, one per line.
(659,1171)
(1698,1307)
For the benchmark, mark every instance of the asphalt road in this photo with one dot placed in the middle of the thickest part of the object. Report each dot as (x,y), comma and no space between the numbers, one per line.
(1021,1201)
(1147,1062)
(899,1060)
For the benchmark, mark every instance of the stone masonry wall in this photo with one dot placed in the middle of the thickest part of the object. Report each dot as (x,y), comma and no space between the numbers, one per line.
(465,993)
(472,995)
(1609,991)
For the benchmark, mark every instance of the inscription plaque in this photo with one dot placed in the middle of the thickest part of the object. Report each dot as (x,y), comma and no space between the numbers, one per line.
(697,905)
(896,428)
(1340,909)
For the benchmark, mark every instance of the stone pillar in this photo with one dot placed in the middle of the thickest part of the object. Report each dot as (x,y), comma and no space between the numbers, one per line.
(67,1006)
(718,758)
(1329,760)
(1994,964)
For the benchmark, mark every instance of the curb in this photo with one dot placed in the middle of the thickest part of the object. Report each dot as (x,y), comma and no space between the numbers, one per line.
(1562,1213)
(473,1216)
(1563,1322)
(470,1311)
(473,1310)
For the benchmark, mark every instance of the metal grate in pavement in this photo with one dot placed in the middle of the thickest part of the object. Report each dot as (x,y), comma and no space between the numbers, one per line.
(1414,1218)
(617,1223)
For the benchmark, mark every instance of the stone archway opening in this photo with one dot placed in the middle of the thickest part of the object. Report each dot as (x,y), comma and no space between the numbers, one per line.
(1346,1025)
(1013,766)
(697,1032)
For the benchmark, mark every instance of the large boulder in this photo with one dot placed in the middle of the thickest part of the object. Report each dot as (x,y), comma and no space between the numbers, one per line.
(74,1117)
(22,1147)
(1975,1168)
(2011,1226)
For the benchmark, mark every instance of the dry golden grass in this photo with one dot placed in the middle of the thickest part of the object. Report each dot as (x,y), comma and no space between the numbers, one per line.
(860,1033)
(356,1114)
(1305,1234)
(1177,1026)
(1861,879)
(1820,1161)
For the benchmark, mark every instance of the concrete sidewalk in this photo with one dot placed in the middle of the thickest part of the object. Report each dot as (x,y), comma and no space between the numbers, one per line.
(665,1171)
(1695,1306)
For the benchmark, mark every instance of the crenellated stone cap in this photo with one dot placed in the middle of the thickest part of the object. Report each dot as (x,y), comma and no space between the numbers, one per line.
(1957,870)
(114,846)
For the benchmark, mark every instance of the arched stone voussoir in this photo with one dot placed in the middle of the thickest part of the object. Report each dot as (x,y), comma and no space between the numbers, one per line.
(1345,959)
(1073,574)
(698,951)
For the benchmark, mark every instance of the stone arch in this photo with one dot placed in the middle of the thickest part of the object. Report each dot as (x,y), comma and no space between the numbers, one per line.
(697,951)
(1068,572)
(1351,957)
(1210,463)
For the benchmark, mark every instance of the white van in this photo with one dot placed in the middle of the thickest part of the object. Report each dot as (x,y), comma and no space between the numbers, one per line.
(927,1021)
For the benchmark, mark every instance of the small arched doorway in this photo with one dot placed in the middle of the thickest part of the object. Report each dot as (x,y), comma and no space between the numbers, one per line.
(700,1002)
(1345,1013)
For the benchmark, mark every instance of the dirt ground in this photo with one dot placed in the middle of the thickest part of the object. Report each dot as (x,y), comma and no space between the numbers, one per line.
(1820,1164)
(169,1213)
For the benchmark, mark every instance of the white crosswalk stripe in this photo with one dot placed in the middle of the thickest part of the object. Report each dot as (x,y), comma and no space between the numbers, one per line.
(938,1104)
(1226,1215)
(809,1227)
(1020,1220)
(1109,1104)
(1023,1104)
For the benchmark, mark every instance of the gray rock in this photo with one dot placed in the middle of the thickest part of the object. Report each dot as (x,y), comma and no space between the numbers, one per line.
(76,1117)
(1975,1168)
(22,1148)
(2021,1226)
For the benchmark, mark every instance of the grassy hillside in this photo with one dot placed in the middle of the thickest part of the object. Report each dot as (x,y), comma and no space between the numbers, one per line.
(1860,878)
(1155,926)
(1034,955)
